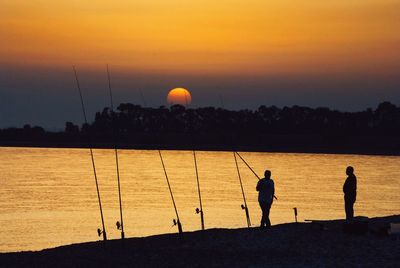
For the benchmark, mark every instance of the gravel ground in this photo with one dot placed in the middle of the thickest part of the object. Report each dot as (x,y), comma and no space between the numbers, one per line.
(318,244)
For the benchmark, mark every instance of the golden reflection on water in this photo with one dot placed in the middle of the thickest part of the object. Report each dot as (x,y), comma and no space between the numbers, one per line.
(48,196)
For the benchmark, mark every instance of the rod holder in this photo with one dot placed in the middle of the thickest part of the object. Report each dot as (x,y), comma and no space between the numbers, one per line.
(243,206)
(118,224)
(198,211)
(180,230)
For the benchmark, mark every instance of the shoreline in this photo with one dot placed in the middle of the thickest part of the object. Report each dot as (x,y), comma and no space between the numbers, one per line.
(317,244)
(329,149)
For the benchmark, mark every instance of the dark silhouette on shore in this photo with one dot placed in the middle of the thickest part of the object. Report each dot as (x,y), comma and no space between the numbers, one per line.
(266,192)
(286,245)
(350,193)
(287,129)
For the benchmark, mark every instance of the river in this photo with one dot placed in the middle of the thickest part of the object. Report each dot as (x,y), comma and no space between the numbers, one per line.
(48,196)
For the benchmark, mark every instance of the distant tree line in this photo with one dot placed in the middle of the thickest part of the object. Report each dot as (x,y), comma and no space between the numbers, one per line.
(266,126)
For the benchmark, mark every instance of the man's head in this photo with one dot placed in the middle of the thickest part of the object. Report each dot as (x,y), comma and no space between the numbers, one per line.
(267,174)
(349,170)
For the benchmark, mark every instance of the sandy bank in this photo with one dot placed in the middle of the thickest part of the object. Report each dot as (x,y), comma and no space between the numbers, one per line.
(286,245)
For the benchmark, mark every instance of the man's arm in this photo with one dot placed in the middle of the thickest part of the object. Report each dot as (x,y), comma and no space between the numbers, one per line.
(258,186)
(273,192)
(354,184)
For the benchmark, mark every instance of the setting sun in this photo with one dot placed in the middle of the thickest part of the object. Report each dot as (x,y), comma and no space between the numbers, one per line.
(179,96)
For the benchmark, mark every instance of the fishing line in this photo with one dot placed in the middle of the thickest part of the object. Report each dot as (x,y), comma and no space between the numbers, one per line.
(120,225)
(92,158)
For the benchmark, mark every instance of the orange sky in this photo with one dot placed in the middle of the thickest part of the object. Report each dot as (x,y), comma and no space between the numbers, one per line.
(224,36)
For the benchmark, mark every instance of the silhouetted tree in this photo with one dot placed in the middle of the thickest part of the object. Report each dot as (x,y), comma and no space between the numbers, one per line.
(269,126)
(71,128)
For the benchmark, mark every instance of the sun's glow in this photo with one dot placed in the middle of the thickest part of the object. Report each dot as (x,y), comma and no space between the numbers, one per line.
(226,36)
(180,96)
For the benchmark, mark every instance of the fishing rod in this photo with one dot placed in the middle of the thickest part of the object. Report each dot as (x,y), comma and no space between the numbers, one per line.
(175,221)
(120,225)
(244,206)
(244,161)
(99,232)
(198,210)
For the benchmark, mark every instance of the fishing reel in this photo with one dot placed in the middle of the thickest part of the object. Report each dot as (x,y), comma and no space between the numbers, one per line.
(119,227)
(99,232)
(243,206)
(198,211)
(177,223)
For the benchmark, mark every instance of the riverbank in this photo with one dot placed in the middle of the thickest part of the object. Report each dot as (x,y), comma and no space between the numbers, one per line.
(388,146)
(318,244)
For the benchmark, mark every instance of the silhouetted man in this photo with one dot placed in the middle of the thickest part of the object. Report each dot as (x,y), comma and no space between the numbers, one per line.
(350,192)
(266,191)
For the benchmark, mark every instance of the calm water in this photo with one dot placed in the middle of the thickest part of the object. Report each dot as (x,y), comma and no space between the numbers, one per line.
(48,196)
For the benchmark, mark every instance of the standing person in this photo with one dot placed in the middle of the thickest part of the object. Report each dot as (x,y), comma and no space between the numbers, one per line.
(350,192)
(266,192)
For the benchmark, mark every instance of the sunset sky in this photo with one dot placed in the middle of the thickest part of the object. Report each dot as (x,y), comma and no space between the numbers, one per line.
(340,54)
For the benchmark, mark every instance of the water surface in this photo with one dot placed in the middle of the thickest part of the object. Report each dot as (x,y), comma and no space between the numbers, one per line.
(48,196)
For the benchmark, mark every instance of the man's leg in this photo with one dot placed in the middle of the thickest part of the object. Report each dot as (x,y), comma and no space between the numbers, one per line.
(351,210)
(263,219)
(267,209)
(348,206)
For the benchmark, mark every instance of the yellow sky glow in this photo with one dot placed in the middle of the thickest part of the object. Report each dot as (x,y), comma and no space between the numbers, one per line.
(226,36)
